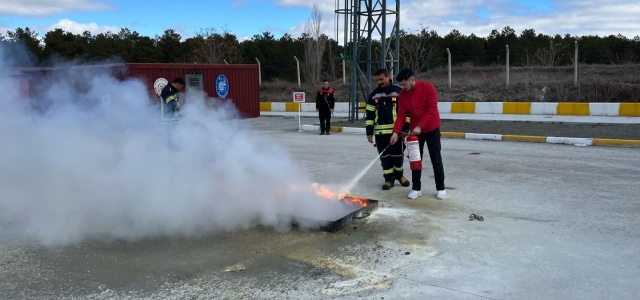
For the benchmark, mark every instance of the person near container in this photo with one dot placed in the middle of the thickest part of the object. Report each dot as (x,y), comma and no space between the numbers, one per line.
(419,100)
(382,112)
(170,109)
(325,102)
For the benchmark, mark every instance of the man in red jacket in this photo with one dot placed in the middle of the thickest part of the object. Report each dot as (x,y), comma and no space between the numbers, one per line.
(419,100)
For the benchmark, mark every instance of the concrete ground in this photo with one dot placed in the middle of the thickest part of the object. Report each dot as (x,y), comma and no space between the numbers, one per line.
(561,222)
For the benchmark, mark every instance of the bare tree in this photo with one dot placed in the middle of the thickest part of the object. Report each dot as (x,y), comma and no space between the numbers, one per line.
(550,57)
(314,46)
(629,57)
(332,64)
(418,49)
(213,47)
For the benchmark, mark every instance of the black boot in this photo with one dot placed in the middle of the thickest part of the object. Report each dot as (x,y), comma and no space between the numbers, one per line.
(387,185)
(404,181)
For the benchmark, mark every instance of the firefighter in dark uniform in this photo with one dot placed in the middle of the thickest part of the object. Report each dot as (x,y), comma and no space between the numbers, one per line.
(170,109)
(325,102)
(382,109)
(169,95)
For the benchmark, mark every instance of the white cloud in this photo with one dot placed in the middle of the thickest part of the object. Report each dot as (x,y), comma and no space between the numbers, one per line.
(327,11)
(79,28)
(324,6)
(33,8)
(575,17)
(3,30)
(182,30)
(179,29)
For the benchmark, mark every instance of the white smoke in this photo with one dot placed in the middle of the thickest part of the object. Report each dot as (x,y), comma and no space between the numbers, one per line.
(78,168)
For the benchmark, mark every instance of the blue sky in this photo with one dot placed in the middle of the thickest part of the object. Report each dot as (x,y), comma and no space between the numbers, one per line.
(248,17)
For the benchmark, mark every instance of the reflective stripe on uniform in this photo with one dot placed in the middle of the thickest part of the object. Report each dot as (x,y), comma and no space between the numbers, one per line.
(172,97)
(386,131)
(383,95)
(384,126)
(394,110)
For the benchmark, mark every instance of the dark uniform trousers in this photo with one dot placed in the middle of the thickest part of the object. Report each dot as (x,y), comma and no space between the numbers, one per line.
(325,120)
(391,159)
(432,139)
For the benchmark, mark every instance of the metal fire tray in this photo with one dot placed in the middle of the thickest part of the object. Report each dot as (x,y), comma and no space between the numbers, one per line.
(339,224)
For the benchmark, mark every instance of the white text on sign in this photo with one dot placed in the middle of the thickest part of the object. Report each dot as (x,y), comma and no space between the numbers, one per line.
(298,97)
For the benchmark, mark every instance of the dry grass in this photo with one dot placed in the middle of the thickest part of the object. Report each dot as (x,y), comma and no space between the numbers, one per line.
(596,83)
(279,90)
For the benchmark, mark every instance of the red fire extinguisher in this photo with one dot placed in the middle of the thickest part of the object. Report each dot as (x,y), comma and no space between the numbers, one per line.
(413,148)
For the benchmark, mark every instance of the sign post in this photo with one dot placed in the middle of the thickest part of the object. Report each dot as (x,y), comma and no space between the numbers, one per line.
(299,97)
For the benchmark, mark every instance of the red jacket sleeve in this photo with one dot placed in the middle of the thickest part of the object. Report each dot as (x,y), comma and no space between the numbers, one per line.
(402,116)
(431,104)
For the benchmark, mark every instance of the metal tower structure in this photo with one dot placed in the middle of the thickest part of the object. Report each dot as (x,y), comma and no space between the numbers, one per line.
(371,41)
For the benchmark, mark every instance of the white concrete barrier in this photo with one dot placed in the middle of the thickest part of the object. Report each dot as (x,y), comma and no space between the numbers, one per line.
(550,108)
(278,106)
(487,108)
(353,130)
(483,136)
(341,107)
(497,107)
(444,107)
(604,109)
(569,141)
(483,108)
(308,107)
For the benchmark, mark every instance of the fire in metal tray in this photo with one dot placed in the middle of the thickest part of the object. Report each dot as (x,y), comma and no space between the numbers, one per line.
(353,200)
(356,208)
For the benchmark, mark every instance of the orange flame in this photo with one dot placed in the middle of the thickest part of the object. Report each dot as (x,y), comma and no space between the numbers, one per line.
(358,200)
(324,192)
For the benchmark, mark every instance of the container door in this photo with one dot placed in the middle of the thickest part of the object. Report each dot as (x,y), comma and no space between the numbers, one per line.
(195,81)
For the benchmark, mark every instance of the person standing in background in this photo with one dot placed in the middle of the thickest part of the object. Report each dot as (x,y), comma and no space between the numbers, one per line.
(325,102)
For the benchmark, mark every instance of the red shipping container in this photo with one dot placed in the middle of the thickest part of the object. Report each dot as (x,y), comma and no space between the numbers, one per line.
(19,80)
(242,81)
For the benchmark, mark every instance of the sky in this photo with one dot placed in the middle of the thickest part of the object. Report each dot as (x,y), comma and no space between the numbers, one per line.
(245,18)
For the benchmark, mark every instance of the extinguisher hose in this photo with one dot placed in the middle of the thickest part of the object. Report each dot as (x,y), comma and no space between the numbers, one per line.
(385,149)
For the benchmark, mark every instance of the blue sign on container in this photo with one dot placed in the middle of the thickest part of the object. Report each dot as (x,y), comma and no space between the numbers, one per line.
(222,86)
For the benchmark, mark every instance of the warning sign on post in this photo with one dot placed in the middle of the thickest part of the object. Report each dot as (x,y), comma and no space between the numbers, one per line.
(298,97)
